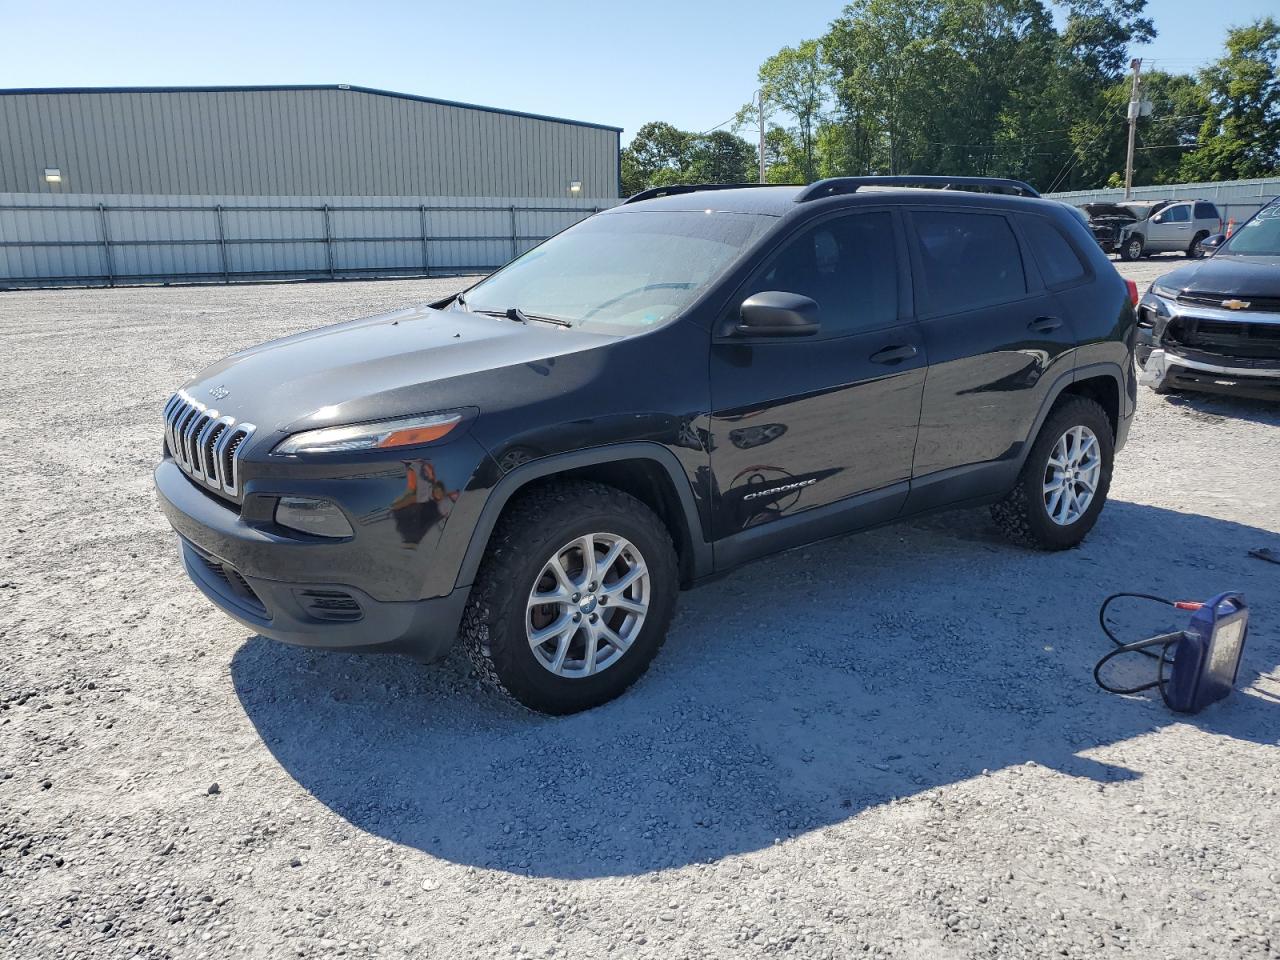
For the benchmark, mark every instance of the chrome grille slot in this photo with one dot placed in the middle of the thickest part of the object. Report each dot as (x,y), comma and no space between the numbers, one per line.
(205,443)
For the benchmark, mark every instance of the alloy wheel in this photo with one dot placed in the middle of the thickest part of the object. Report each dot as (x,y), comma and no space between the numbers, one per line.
(587,605)
(1071,475)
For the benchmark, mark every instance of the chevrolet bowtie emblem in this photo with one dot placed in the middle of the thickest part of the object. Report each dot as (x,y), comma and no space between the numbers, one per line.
(1236,304)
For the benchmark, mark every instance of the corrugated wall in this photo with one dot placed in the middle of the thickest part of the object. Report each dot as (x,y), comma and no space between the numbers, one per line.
(315,141)
(1236,199)
(118,239)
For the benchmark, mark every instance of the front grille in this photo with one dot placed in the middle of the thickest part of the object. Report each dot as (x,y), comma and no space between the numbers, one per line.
(204,443)
(1201,299)
(1226,339)
(331,605)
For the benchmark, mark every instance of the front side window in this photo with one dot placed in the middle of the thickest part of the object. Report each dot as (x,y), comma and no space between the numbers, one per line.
(848,265)
(621,272)
(1179,214)
(969,259)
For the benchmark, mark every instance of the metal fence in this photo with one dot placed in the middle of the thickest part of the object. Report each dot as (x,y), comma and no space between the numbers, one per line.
(119,240)
(1236,200)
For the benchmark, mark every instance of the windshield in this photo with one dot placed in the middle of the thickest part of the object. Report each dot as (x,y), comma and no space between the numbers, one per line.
(1260,237)
(624,272)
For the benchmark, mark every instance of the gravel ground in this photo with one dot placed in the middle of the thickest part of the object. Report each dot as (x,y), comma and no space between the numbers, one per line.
(888,745)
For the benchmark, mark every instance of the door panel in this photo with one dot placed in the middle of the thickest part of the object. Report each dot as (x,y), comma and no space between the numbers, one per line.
(780,424)
(991,365)
(1172,231)
(810,422)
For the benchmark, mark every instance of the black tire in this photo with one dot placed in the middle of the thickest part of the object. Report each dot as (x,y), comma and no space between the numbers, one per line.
(1195,251)
(1022,515)
(530,532)
(1131,249)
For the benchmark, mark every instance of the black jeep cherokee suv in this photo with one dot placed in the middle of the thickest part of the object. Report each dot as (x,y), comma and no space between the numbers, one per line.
(689,381)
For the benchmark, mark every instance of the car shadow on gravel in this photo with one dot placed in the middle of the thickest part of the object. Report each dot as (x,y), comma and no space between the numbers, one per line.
(790,696)
(1211,407)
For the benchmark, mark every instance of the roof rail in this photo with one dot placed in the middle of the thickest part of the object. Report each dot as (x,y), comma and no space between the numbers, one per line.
(678,188)
(838,185)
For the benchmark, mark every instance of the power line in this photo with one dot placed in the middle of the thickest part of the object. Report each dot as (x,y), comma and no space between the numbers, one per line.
(1075,154)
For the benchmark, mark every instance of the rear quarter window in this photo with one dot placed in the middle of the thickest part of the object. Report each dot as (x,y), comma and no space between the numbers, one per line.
(1058,261)
(969,260)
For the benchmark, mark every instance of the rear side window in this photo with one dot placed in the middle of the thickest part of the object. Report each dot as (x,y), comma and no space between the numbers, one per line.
(1058,262)
(969,260)
(849,265)
(1206,211)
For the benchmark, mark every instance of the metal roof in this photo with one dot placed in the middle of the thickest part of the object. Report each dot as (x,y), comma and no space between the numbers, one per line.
(27,91)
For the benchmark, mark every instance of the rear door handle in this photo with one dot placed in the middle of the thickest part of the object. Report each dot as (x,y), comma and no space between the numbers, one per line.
(1044,324)
(894,354)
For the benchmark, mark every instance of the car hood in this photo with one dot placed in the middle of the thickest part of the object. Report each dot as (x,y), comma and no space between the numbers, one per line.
(1228,275)
(1109,211)
(409,361)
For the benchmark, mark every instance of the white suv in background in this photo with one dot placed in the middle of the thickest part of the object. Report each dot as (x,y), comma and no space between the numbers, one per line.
(1136,228)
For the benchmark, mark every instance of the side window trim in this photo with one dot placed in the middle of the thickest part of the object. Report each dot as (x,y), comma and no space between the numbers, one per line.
(925,309)
(722,331)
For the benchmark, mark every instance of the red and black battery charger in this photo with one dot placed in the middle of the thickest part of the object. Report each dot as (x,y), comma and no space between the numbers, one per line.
(1202,660)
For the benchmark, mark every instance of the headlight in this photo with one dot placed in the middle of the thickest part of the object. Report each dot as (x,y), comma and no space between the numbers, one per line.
(403,432)
(1167,292)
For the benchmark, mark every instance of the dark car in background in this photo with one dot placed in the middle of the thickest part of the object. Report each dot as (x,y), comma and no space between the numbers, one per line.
(1215,325)
(692,380)
(1136,228)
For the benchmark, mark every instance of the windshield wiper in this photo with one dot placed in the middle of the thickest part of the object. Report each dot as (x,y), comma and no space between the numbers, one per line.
(515,313)
(519,316)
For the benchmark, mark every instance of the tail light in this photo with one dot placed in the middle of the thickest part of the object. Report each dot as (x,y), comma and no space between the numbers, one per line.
(1133,291)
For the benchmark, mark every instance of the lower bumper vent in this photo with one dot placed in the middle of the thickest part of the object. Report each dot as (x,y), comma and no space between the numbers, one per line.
(333,605)
(231,584)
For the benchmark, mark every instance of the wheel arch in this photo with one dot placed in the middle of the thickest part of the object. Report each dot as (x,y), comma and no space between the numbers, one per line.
(1100,382)
(647,471)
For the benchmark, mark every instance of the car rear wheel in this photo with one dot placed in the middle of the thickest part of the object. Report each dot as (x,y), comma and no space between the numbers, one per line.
(1131,249)
(1064,482)
(573,599)
(1196,251)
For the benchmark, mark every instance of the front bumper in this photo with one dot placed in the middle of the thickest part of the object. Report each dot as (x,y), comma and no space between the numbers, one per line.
(1171,371)
(1211,366)
(298,590)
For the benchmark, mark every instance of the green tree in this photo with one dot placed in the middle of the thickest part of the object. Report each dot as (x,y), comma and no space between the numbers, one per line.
(1240,136)
(656,147)
(721,157)
(661,154)
(796,80)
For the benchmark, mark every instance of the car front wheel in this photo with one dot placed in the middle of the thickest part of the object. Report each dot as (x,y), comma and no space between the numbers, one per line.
(573,599)
(1131,249)
(1064,482)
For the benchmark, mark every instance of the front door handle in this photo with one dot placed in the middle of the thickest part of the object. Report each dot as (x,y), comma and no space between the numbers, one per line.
(894,354)
(1044,324)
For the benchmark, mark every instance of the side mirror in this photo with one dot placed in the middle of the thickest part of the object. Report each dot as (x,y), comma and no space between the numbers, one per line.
(1158,218)
(1211,244)
(778,314)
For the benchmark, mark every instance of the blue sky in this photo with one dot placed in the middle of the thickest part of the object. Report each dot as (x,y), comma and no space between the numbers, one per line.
(692,63)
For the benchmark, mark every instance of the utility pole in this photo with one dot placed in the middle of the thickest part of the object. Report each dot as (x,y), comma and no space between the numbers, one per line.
(760,104)
(1135,108)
